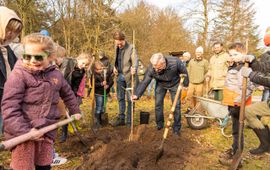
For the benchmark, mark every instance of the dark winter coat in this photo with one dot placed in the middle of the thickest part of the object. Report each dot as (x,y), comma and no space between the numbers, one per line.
(167,78)
(3,76)
(30,100)
(260,72)
(77,76)
(67,67)
(99,78)
(71,73)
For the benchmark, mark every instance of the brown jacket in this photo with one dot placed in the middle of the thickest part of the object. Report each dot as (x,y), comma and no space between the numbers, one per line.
(218,68)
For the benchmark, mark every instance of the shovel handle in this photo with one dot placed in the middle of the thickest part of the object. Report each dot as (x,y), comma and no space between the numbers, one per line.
(182,77)
(176,98)
(5,145)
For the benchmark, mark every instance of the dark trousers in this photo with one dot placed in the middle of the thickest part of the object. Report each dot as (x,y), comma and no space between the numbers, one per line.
(159,103)
(121,96)
(235,112)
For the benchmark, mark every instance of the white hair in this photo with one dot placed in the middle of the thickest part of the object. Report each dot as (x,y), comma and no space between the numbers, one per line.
(186,54)
(157,58)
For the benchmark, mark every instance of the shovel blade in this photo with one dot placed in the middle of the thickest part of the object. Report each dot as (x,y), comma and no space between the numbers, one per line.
(236,160)
(159,154)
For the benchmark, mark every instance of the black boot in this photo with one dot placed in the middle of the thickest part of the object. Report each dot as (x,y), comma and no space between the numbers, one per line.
(64,133)
(264,136)
(104,119)
(98,120)
(119,122)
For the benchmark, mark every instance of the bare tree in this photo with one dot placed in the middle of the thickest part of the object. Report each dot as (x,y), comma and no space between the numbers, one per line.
(31,12)
(200,15)
(235,22)
(156,30)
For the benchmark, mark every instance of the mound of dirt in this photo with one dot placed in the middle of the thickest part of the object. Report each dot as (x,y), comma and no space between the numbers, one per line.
(112,150)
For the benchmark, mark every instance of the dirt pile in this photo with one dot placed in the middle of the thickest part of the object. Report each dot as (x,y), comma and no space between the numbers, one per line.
(112,150)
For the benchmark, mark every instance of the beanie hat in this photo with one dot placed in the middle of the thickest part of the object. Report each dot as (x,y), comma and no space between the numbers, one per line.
(199,50)
(266,38)
(44,32)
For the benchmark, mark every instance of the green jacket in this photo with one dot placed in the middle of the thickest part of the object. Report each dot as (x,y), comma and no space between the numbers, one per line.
(197,70)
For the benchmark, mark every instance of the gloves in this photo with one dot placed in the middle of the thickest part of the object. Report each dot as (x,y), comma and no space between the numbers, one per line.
(249,58)
(246,71)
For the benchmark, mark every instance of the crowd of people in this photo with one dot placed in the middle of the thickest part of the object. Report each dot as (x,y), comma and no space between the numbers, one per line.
(39,84)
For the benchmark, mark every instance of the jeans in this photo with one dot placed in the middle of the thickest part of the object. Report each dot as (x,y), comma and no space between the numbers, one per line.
(151,86)
(99,103)
(234,112)
(121,97)
(265,94)
(159,103)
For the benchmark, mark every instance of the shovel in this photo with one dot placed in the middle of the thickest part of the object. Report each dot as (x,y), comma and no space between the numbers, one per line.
(170,118)
(82,140)
(131,135)
(104,116)
(5,145)
(105,70)
(238,155)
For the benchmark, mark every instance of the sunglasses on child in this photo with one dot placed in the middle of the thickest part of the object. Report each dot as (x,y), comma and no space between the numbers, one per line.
(37,57)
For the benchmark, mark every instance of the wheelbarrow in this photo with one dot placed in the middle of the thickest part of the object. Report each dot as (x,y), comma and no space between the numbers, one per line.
(212,109)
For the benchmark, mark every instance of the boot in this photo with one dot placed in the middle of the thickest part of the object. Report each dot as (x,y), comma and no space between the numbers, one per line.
(226,158)
(264,136)
(64,134)
(104,119)
(98,120)
(119,122)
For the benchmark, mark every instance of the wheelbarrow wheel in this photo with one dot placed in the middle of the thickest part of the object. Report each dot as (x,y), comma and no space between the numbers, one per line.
(198,122)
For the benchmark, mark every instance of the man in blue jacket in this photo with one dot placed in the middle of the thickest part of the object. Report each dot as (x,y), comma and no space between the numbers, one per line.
(166,71)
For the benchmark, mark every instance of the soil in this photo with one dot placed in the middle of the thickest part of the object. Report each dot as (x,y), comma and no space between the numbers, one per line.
(112,149)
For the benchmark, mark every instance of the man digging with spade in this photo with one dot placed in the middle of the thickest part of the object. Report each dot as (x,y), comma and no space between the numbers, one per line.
(166,71)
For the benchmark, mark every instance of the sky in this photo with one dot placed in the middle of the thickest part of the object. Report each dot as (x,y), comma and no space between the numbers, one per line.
(261,6)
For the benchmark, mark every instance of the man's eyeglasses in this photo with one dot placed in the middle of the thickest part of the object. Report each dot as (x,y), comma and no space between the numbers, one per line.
(159,67)
(37,57)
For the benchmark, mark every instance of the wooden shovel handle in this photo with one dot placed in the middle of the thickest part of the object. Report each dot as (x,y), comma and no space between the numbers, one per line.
(182,77)
(5,145)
